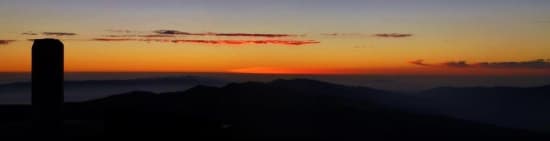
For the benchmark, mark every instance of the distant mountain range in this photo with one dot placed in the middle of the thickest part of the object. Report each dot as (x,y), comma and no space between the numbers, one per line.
(75,91)
(297,107)
(505,106)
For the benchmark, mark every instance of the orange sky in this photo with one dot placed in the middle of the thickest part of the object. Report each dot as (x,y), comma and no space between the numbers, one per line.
(358,37)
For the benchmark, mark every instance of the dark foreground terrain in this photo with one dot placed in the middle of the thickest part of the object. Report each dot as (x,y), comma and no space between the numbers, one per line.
(299,107)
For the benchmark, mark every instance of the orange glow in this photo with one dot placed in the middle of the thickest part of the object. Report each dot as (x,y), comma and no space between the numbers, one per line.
(268,70)
(389,71)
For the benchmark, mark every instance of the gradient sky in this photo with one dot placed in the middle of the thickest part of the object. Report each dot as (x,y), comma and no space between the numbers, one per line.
(509,37)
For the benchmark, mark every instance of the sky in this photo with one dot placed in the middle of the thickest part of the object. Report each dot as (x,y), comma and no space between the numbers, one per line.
(451,37)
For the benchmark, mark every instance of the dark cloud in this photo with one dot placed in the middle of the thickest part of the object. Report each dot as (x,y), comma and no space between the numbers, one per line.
(456,64)
(156,35)
(58,34)
(172,32)
(5,42)
(534,64)
(241,42)
(393,35)
(218,42)
(29,33)
(176,32)
(419,62)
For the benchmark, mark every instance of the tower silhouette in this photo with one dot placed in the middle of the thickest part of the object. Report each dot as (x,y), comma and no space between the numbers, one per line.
(47,87)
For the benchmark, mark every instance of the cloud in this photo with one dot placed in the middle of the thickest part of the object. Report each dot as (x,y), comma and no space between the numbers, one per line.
(531,64)
(120,31)
(29,33)
(393,35)
(252,35)
(156,35)
(456,64)
(113,39)
(58,34)
(218,42)
(176,32)
(419,62)
(343,34)
(534,64)
(5,42)
(171,32)
(145,36)
(119,36)
(240,42)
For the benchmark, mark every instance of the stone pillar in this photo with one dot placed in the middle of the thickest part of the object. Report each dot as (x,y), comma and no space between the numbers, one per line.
(47,87)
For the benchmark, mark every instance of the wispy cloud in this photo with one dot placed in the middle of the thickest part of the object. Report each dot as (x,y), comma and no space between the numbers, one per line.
(419,62)
(240,42)
(176,32)
(218,42)
(58,34)
(175,36)
(456,64)
(156,35)
(535,64)
(29,33)
(252,35)
(120,31)
(113,39)
(393,35)
(343,34)
(172,32)
(531,64)
(5,42)
(119,36)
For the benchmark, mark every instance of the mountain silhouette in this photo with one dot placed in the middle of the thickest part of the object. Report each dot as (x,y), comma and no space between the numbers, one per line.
(506,106)
(83,90)
(255,110)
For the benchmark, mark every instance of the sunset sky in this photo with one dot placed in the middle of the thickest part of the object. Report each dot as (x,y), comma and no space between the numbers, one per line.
(508,37)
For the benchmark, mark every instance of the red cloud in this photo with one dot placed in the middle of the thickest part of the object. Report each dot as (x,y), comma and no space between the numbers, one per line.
(5,42)
(113,39)
(224,42)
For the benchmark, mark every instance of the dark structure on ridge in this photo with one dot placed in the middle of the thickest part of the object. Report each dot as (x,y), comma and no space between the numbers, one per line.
(47,86)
